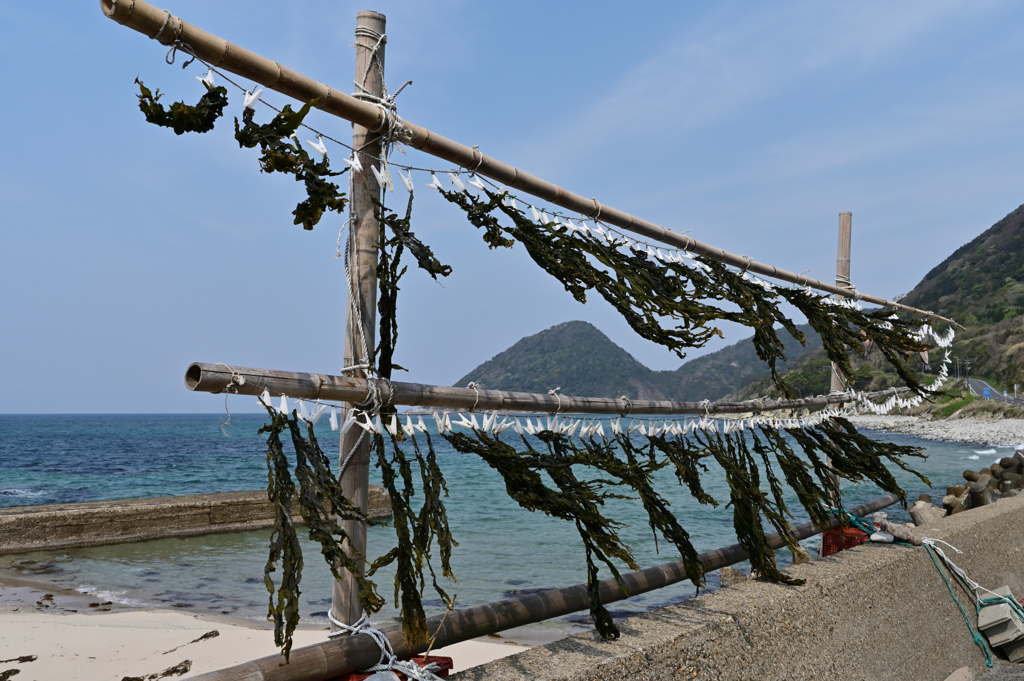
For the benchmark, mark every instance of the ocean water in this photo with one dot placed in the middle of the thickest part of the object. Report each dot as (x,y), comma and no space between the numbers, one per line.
(502,550)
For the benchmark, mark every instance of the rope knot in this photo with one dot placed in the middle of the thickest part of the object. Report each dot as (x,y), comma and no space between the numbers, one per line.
(554,391)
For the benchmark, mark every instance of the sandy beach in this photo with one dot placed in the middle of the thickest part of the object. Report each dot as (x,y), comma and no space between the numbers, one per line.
(48,635)
(999,432)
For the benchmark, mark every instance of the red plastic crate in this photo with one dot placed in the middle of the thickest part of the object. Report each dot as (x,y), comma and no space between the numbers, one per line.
(445,663)
(841,538)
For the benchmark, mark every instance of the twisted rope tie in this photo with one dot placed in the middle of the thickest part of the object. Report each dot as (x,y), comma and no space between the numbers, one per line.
(629,406)
(474,386)
(388,660)
(554,391)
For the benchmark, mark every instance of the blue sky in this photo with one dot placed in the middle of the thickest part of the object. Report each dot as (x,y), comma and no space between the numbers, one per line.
(130,252)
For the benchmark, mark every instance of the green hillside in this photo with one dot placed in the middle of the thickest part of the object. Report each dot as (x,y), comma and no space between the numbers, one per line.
(581,360)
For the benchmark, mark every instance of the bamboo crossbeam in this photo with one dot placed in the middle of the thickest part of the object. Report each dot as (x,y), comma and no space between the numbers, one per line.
(343,655)
(220,378)
(150,21)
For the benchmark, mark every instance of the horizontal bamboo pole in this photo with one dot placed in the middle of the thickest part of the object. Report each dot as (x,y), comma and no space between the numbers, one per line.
(150,21)
(220,378)
(351,653)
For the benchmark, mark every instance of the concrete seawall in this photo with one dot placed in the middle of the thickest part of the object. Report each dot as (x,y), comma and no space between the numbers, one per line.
(873,612)
(61,526)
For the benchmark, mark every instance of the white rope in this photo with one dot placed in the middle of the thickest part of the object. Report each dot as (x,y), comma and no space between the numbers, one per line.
(953,567)
(388,660)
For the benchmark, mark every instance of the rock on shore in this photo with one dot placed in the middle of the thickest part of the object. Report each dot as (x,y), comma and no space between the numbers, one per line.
(1000,432)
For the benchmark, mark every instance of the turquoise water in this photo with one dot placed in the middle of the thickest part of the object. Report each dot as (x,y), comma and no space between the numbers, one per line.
(502,549)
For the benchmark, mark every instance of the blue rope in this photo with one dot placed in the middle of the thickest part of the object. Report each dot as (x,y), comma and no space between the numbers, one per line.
(862,524)
(978,639)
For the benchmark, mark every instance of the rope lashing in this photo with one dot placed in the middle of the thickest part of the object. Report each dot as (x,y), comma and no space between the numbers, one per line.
(476,387)
(237,379)
(388,660)
(554,391)
(177,43)
(629,406)
(168,19)
(844,282)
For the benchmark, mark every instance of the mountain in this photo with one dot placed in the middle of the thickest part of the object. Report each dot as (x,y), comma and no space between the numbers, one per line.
(581,360)
(981,285)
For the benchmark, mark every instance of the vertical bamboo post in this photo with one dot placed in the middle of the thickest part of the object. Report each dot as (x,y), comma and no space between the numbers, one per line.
(842,281)
(842,277)
(363,241)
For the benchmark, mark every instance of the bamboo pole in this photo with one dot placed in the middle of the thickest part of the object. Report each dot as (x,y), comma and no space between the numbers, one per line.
(842,280)
(362,270)
(838,381)
(351,653)
(221,378)
(148,20)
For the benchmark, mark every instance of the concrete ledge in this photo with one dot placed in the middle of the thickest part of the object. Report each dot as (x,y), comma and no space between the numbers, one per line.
(873,612)
(61,526)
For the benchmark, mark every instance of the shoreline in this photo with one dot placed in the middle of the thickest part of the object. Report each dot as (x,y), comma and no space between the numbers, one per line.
(75,635)
(972,431)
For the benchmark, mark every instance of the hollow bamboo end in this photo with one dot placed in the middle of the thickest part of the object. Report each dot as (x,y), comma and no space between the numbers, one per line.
(193,376)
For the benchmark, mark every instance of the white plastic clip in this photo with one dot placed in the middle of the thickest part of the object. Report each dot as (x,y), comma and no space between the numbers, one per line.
(207,79)
(536,214)
(383,178)
(318,411)
(318,146)
(252,97)
(354,162)
(351,419)
(407,181)
(436,184)
(457,182)
(474,181)
(334,418)
(284,405)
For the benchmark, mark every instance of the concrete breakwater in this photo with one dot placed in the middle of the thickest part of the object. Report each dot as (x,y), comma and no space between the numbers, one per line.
(877,611)
(61,526)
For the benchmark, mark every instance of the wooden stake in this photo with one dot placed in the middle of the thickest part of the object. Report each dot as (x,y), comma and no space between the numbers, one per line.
(363,242)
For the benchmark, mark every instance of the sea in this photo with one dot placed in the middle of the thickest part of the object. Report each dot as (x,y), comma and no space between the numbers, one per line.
(503,549)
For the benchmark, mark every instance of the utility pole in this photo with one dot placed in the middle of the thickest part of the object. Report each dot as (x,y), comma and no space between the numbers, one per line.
(363,241)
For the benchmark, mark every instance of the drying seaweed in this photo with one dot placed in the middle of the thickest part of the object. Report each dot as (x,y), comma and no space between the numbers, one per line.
(676,305)
(321,503)
(390,271)
(180,116)
(281,152)
(416,531)
(554,479)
